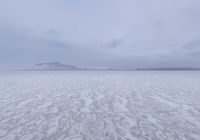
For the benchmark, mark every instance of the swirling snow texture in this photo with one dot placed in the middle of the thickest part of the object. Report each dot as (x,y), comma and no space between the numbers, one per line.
(100,105)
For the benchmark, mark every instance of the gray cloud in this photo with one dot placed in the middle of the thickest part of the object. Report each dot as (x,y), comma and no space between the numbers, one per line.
(106,33)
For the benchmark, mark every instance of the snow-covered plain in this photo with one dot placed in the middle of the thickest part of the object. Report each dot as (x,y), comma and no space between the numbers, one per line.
(99,105)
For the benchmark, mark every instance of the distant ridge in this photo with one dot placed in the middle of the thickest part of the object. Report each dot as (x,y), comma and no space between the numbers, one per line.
(56,66)
(61,66)
(171,69)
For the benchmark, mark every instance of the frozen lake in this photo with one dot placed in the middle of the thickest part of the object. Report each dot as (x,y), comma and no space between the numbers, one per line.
(100,105)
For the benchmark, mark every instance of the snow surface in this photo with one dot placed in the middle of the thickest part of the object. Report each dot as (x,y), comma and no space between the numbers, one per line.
(99,105)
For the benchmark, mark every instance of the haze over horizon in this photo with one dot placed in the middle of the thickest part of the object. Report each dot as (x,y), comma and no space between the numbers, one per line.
(101,33)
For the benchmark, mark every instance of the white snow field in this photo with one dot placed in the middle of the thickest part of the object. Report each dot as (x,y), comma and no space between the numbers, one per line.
(100,105)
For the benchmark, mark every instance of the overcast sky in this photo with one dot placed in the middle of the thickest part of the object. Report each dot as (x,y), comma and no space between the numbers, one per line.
(101,33)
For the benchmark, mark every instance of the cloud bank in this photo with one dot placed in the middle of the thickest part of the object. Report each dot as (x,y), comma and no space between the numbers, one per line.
(104,33)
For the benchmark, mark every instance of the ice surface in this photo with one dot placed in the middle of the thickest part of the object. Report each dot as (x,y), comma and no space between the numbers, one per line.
(99,105)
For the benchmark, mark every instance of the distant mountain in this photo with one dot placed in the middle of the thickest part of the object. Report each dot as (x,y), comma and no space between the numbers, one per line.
(61,66)
(55,66)
(171,69)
